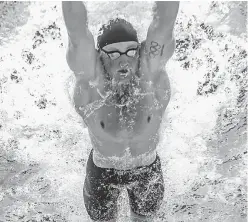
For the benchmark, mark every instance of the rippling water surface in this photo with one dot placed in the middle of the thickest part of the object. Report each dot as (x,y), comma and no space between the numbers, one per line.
(44,145)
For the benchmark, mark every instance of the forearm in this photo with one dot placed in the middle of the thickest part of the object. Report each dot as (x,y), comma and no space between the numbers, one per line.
(164,14)
(75,17)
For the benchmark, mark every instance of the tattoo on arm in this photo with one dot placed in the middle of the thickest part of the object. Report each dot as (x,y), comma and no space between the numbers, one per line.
(156,49)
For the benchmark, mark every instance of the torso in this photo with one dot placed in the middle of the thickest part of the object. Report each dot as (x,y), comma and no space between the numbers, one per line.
(124,137)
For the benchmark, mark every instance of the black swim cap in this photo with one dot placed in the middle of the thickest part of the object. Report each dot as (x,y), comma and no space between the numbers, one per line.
(118,30)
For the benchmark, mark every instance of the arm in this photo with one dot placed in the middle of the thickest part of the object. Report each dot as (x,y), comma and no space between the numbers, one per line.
(159,47)
(160,42)
(81,55)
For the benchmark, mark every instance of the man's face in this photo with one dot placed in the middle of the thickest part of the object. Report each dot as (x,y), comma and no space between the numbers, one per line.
(121,67)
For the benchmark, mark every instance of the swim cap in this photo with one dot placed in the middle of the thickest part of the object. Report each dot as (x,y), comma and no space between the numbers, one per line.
(118,30)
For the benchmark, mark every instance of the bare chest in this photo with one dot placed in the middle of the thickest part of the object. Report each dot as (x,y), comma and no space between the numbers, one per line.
(123,123)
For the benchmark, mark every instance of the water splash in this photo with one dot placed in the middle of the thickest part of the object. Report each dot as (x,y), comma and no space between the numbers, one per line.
(203,138)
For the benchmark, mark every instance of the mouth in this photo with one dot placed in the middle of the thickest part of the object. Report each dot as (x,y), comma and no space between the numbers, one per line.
(124,72)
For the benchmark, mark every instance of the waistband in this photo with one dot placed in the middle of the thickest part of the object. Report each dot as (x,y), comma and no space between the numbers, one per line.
(126,162)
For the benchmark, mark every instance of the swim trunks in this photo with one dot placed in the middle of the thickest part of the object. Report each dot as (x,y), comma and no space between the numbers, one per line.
(145,187)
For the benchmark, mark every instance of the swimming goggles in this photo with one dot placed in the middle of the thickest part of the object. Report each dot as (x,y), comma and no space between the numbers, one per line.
(116,54)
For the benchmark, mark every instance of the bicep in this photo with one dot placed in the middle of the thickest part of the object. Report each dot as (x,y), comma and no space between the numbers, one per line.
(81,55)
(159,46)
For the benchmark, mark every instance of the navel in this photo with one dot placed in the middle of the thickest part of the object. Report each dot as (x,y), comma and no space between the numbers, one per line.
(102,124)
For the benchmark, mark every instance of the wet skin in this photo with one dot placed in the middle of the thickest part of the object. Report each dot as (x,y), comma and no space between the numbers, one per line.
(123,110)
(121,101)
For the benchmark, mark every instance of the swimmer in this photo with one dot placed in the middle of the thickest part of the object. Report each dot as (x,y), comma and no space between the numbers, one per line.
(122,90)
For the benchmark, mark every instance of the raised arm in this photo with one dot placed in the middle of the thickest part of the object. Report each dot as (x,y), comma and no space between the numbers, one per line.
(81,54)
(160,42)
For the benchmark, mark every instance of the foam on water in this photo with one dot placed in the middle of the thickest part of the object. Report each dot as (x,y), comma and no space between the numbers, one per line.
(44,145)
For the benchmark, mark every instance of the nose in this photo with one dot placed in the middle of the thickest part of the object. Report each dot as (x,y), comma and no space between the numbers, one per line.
(124,64)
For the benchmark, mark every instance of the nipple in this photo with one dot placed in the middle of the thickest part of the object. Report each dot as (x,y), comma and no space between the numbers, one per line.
(148,119)
(102,124)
